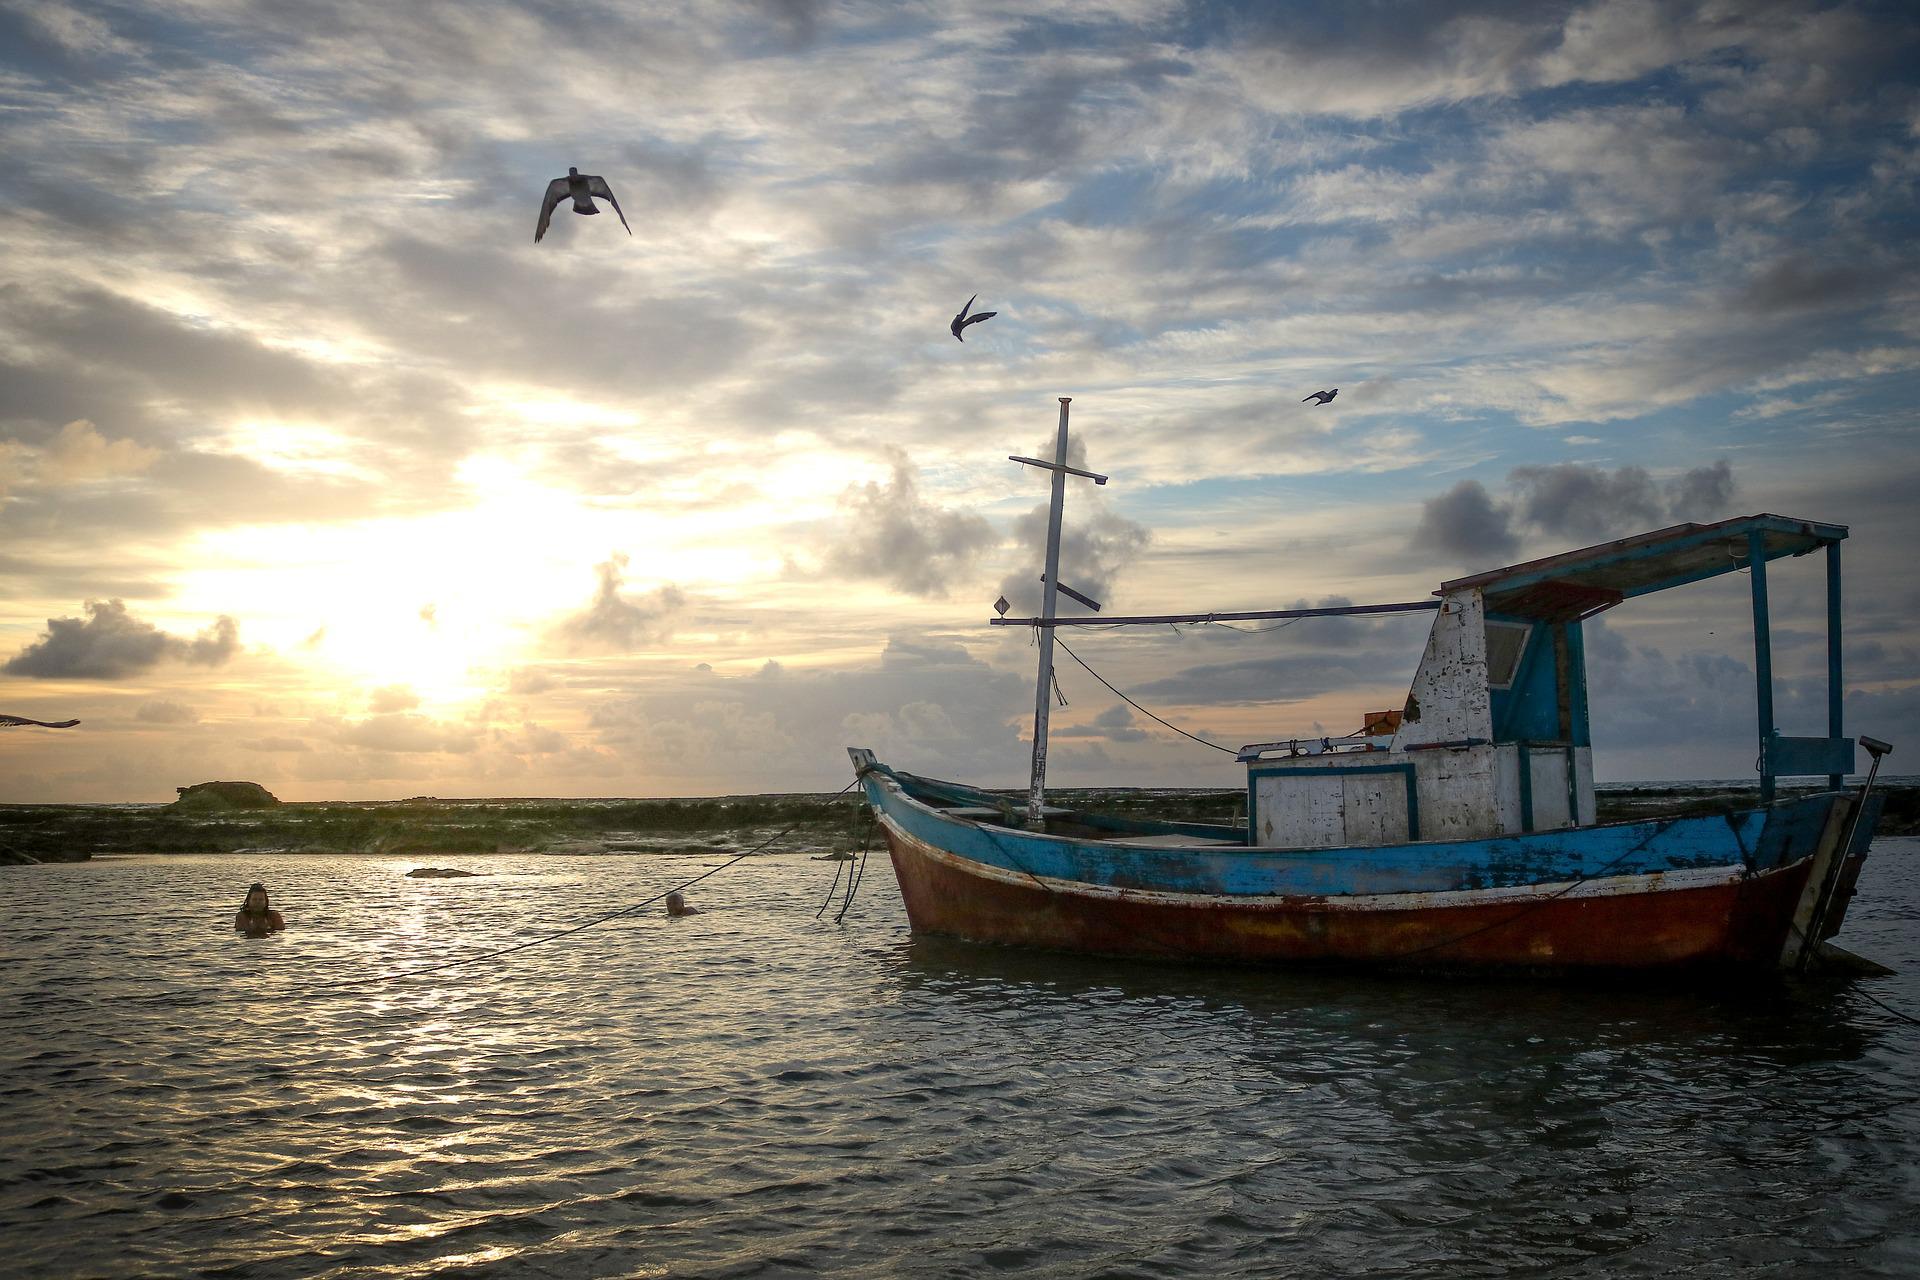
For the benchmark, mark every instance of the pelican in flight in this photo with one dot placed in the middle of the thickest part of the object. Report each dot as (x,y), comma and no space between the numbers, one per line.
(962,320)
(583,187)
(1322,397)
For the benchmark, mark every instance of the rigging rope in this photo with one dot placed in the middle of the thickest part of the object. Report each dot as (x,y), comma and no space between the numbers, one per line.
(1136,706)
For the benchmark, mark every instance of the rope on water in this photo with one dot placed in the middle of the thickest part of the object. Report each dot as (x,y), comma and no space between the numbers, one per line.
(564,933)
(1904,1017)
(856,875)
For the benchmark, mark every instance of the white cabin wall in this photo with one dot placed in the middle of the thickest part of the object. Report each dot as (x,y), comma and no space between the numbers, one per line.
(1456,790)
(1450,687)
(1550,800)
(1506,787)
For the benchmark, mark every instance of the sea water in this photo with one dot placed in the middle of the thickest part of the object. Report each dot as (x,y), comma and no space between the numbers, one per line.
(761,1090)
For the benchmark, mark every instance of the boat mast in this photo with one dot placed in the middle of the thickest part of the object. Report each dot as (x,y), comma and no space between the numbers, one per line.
(1043,692)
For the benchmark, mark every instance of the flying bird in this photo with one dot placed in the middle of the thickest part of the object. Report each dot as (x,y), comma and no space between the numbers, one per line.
(44,724)
(962,320)
(583,187)
(1322,397)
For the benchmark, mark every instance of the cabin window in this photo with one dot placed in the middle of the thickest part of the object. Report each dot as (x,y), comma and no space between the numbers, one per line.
(1506,642)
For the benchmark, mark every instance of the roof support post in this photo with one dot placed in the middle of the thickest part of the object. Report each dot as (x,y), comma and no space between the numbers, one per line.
(1836,683)
(1762,656)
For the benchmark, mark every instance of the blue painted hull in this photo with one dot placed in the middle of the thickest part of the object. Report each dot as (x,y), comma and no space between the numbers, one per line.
(1652,894)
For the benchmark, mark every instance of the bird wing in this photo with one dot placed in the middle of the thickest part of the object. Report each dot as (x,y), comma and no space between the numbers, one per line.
(967,308)
(44,724)
(1314,396)
(976,319)
(597,186)
(556,192)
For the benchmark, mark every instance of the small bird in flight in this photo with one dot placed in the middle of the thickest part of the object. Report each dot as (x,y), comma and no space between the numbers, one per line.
(583,187)
(44,724)
(962,320)
(1322,397)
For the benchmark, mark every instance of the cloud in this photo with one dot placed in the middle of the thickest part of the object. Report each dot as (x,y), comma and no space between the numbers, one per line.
(272,743)
(161,711)
(405,733)
(394,697)
(1466,522)
(614,623)
(889,533)
(111,643)
(1568,500)
(1115,724)
(526,681)
(1579,501)
(79,453)
(1096,547)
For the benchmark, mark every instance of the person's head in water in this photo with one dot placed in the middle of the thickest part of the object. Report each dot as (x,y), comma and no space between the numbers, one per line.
(677,904)
(256,916)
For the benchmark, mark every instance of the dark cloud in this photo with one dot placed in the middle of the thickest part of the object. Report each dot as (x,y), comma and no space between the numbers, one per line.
(1115,724)
(888,532)
(1280,678)
(1580,501)
(1796,284)
(111,643)
(1702,493)
(614,623)
(1466,522)
(1568,500)
(1097,544)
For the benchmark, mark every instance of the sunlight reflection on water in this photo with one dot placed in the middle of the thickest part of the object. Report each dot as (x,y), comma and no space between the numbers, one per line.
(752,1091)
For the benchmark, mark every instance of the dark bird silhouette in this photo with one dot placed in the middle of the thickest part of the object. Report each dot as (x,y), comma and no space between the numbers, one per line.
(1322,397)
(583,187)
(962,320)
(44,724)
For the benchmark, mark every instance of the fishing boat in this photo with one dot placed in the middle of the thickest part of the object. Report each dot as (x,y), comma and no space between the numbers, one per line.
(1459,833)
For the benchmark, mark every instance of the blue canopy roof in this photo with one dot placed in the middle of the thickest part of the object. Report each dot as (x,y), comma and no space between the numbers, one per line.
(1578,584)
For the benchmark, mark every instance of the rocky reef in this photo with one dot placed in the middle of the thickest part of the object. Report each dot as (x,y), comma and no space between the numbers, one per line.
(225,795)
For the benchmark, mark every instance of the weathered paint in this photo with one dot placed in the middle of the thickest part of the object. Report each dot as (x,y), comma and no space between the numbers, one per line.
(1755,841)
(1711,917)
(1449,701)
(1717,890)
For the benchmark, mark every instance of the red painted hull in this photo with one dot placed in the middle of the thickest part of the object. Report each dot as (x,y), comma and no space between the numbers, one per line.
(1743,923)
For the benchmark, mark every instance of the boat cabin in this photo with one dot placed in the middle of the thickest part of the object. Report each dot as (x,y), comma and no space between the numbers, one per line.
(1494,737)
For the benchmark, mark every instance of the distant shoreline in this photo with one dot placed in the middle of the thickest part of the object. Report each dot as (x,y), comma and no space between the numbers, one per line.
(814,822)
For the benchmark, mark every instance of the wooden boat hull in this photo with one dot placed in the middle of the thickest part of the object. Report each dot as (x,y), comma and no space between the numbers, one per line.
(1730,915)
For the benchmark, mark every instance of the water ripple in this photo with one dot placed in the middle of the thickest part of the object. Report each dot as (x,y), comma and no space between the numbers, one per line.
(750,1091)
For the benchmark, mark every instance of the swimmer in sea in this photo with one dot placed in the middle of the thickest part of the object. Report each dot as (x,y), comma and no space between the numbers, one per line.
(255,918)
(677,905)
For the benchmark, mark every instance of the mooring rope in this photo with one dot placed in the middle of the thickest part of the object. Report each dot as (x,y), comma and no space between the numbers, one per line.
(397,974)
(856,876)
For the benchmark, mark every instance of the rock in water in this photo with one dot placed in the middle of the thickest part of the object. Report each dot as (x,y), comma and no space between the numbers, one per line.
(225,795)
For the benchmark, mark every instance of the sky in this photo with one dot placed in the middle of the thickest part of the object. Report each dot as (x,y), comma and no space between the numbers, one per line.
(316,470)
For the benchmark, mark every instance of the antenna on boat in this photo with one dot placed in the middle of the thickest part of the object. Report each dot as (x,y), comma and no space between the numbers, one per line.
(1042,704)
